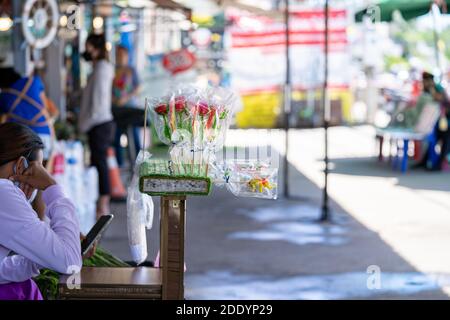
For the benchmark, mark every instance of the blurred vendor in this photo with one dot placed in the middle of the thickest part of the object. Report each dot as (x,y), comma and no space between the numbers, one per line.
(96,119)
(126,88)
(431,93)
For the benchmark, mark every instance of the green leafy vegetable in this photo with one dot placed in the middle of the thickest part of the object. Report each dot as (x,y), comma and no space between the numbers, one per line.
(48,280)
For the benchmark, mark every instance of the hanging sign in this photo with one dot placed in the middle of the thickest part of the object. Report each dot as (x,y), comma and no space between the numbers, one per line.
(179,61)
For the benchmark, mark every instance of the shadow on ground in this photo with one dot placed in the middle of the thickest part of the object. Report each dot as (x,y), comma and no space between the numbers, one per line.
(413,178)
(238,248)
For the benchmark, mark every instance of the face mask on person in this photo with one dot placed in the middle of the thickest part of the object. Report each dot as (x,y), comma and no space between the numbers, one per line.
(33,196)
(17,184)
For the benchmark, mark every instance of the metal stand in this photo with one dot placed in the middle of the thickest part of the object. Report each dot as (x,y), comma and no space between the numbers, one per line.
(326,120)
(287,103)
(132,152)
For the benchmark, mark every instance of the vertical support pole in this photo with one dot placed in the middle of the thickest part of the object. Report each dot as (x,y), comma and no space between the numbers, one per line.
(54,77)
(132,152)
(380,146)
(433,157)
(173,217)
(435,13)
(405,156)
(325,216)
(287,102)
(21,52)
(390,150)
(395,163)
(417,150)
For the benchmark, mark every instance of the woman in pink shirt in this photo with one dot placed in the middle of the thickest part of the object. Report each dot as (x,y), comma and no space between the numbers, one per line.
(28,243)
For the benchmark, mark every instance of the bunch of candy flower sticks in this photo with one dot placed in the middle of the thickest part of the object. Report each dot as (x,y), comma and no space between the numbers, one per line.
(193,123)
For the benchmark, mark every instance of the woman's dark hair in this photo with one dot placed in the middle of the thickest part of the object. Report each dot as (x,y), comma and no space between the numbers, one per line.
(98,41)
(17,140)
(427,75)
(8,76)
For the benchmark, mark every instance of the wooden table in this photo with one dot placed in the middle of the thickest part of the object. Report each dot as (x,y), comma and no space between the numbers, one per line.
(166,282)
(114,283)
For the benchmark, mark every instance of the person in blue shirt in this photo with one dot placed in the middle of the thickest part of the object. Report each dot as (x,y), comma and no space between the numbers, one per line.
(23,100)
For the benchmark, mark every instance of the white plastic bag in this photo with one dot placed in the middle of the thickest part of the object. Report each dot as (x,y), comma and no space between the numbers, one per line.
(139,214)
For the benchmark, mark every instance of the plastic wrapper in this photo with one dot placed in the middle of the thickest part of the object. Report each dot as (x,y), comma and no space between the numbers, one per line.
(247,178)
(193,123)
(139,214)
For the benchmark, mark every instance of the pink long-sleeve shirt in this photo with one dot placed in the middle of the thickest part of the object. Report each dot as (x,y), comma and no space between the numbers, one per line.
(37,244)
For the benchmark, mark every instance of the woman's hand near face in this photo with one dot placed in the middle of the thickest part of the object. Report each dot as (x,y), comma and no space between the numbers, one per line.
(36,177)
(39,206)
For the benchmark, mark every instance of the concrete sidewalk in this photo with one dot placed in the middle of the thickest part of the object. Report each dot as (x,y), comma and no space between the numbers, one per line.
(249,248)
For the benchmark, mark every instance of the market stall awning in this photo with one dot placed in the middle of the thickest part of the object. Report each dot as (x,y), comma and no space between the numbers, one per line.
(165,4)
(409,9)
(172,5)
(274,14)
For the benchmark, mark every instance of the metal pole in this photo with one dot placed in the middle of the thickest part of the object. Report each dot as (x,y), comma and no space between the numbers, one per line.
(326,118)
(20,50)
(435,11)
(287,102)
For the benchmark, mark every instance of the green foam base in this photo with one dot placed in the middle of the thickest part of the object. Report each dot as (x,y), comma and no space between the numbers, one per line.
(156,178)
(177,181)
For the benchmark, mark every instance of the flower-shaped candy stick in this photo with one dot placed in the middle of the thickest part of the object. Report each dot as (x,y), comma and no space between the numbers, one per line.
(259,184)
(162,110)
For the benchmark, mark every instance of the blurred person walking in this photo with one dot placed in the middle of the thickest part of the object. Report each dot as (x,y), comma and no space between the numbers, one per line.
(126,88)
(96,117)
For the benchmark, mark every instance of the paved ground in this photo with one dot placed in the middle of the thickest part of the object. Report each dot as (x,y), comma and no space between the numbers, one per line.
(250,248)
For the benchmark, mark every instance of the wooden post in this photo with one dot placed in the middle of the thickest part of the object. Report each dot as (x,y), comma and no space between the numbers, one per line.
(380,139)
(172,234)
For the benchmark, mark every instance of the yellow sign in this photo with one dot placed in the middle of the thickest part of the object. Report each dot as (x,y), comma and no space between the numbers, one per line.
(260,110)
(203,20)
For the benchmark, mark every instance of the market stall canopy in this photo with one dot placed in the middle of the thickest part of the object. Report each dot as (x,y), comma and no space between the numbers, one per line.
(274,14)
(172,5)
(409,9)
(164,4)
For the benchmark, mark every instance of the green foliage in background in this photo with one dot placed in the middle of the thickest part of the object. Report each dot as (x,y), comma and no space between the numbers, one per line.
(412,39)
